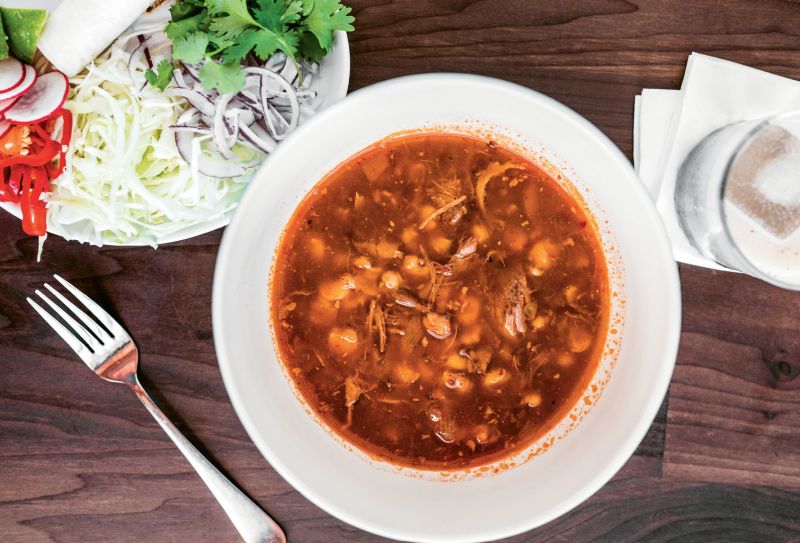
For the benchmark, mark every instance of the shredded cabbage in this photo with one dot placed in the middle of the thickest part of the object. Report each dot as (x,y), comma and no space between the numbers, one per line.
(125,182)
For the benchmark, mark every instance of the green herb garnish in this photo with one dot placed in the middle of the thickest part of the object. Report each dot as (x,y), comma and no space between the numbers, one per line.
(220,34)
(161,76)
(224,77)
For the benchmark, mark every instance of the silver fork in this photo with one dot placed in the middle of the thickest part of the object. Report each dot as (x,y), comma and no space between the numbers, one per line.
(114,357)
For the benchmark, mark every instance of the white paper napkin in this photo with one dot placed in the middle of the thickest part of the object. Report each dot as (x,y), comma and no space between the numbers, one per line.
(669,123)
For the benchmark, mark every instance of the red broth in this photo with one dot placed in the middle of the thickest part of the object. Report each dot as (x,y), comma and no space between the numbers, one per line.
(440,301)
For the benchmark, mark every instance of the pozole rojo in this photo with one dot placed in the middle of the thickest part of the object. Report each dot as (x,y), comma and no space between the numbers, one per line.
(440,301)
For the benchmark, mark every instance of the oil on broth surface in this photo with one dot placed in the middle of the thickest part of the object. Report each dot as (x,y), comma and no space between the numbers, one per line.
(439,301)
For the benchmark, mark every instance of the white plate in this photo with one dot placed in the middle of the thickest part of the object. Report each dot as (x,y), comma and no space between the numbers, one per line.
(637,364)
(331,84)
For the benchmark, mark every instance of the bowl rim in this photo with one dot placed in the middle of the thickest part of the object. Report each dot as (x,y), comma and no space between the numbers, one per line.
(671,329)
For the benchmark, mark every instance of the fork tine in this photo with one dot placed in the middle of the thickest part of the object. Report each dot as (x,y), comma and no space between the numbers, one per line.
(78,330)
(93,327)
(108,321)
(80,349)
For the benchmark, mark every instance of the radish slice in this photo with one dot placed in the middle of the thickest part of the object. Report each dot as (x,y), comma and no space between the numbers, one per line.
(43,100)
(12,72)
(6,104)
(4,128)
(27,82)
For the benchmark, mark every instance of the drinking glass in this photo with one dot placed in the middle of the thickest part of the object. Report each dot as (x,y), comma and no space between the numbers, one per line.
(738,198)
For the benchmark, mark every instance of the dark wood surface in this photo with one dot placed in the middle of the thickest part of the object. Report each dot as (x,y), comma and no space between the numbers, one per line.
(81,461)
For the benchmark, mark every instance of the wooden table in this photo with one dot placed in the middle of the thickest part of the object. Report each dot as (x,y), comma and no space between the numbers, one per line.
(81,461)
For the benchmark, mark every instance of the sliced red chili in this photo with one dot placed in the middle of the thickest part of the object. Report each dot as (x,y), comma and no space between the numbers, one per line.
(39,131)
(15,180)
(40,182)
(23,178)
(66,129)
(34,210)
(53,170)
(38,157)
(34,223)
(6,194)
(11,184)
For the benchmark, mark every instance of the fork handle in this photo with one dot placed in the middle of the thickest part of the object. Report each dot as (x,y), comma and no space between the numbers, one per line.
(252,523)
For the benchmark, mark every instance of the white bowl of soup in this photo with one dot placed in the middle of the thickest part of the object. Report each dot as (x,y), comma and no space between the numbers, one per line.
(446,309)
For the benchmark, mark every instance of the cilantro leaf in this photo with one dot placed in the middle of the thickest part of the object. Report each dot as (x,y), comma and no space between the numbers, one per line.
(190,47)
(179,28)
(277,14)
(310,48)
(227,31)
(217,43)
(161,77)
(224,77)
(268,30)
(186,8)
(237,50)
(230,18)
(294,10)
(307,6)
(326,17)
(267,43)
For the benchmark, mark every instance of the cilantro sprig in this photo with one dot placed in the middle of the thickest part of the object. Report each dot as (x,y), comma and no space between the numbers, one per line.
(161,76)
(221,34)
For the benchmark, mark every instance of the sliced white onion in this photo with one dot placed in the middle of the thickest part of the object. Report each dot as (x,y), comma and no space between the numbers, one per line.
(244,116)
(251,82)
(267,109)
(177,76)
(205,164)
(197,99)
(191,71)
(289,72)
(184,143)
(250,100)
(268,76)
(275,62)
(220,135)
(256,135)
(193,129)
(232,127)
(139,51)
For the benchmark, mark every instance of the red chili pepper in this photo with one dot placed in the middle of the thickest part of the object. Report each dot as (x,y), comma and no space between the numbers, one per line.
(39,131)
(43,143)
(6,194)
(15,180)
(10,184)
(38,157)
(40,182)
(24,178)
(52,170)
(34,211)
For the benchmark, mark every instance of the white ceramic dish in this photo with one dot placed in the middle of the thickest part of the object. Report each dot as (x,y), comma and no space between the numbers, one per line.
(401,504)
(331,84)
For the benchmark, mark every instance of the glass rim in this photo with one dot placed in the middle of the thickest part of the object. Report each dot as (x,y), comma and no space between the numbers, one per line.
(752,268)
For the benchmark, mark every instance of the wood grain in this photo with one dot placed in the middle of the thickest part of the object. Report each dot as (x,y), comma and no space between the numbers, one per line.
(80,460)
(734,402)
